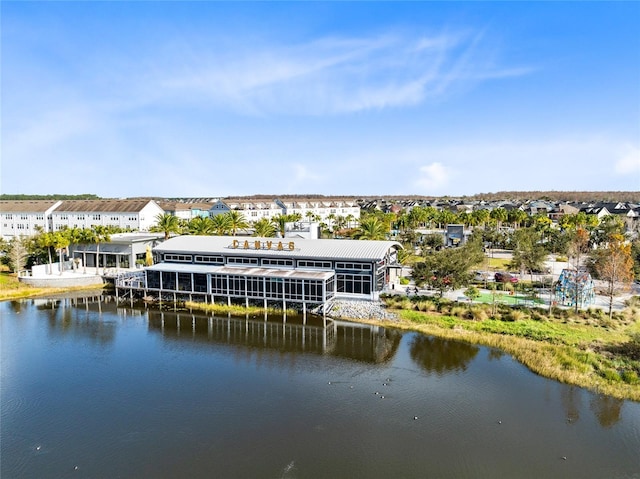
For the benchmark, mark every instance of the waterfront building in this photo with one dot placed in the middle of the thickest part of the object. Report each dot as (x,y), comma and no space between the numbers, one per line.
(122,251)
(304,271)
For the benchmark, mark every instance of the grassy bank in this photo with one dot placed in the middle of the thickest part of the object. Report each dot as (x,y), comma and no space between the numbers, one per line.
(11,288)
(235,309)
(586,349)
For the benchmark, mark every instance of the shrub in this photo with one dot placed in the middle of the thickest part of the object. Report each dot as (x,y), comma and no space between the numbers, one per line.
(458,311)
(561,259)
(426,306)
(610,375)
(404,281)
(404,303)
(514,315)
(633,301)
(537,314)
(478,313)
(630,377)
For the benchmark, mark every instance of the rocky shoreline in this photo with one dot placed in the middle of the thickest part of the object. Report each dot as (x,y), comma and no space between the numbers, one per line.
(354,309)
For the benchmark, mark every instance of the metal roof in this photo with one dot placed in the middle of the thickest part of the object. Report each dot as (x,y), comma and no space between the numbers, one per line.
(243,271)
(102,206)
(26,206)
(335,249)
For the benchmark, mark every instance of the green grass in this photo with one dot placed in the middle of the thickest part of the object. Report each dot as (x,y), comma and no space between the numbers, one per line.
(499,264)
(234,309)
(11,288)
(584,349)
(505,298)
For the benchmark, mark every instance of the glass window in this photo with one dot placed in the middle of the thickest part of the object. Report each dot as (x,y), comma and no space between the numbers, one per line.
(242,260)
(153,279)
(168,280)
(200,283)
(184,281)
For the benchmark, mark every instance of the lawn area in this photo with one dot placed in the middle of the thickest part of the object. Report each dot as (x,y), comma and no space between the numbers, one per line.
(11,288)
(9,282)
(506,298)
(585,349)
(498,264)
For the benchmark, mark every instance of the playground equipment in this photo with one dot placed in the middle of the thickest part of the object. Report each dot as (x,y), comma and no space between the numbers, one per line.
(575,286)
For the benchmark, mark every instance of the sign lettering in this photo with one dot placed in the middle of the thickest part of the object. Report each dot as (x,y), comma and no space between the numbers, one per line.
(266,245)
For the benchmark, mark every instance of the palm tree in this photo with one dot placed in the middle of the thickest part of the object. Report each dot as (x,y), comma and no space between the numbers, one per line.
(46,240)
(200,225)
(517,217)
(101,233)
(221,224)
(167,224)
(237,221)
(349,219)
(86,236)
(280,222)
(371,228)
(446,217)
(329,220)
(481,216)
(500,215)
(264,228)
(60,242)
(416,217)
(339,224)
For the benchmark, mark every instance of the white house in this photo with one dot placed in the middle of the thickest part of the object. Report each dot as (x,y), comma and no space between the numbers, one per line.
(25,217)
(253,209)
(185,211)
(132,214)
(321,208)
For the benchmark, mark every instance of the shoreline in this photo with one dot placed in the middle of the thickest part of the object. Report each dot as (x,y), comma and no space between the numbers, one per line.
(548,360)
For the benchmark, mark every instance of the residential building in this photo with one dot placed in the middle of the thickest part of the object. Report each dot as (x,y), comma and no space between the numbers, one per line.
(137,215)
(25,217)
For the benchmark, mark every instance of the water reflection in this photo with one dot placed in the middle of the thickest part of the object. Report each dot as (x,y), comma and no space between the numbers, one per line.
(441,355)
(169,398)
(367,343)
(79,316)
(571,401)
(606,409)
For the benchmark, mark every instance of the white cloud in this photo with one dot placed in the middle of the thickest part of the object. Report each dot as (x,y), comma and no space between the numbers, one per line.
(325,76)
(629,162)
(433,177)
(303,174)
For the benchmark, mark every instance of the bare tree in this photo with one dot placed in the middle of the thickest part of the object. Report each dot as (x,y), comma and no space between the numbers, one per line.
(578,247)
(614,265)
(18,254)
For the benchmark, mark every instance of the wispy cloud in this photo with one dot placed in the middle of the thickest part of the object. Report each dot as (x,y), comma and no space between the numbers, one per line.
(587,162)
(433,177)
(629,162)
(325,76)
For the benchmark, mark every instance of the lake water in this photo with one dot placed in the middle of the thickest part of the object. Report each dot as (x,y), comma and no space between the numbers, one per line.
(91,390)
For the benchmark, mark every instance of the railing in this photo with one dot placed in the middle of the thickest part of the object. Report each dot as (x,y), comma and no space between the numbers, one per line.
(130,279)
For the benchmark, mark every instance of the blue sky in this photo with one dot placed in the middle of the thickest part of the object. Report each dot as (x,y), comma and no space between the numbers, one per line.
(214,99)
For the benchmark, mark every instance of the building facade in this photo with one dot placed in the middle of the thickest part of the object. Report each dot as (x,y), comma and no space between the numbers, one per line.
(122,251)
(137,215)
(266,269)
(25,217)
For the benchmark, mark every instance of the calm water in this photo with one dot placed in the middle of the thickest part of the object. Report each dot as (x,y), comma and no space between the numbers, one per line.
(94,391)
